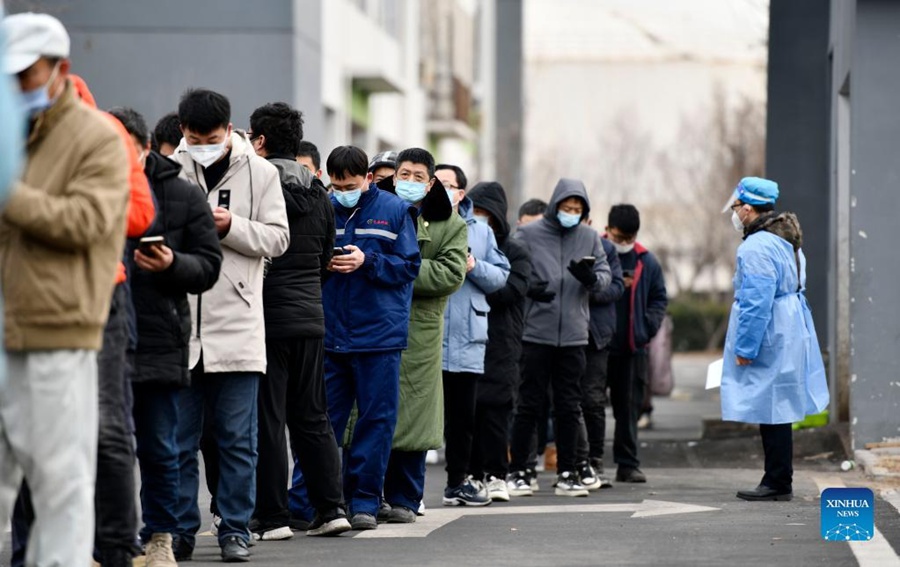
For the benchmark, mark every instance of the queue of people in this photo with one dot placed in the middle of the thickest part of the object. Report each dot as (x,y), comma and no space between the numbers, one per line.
(197,289)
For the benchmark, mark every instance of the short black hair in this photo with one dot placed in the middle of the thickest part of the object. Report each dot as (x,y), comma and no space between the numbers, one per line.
(132,120)
(624,217)
(308,149)
(532,207)
(760,209)
(202,111)
(167,131)
(417,155)
(460,176)
(347,161)
(281,124)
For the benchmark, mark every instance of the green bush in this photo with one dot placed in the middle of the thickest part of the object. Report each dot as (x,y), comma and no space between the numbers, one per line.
(699,322)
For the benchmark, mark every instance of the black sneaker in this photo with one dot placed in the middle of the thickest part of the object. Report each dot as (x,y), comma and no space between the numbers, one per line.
(588,477)
(234,550)
(363,521)
(466,494)
(298,524)
(630,474)
(567,485)
(181,549)
(331,523)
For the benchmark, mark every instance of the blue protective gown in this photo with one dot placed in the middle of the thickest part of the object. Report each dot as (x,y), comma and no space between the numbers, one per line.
(772,325)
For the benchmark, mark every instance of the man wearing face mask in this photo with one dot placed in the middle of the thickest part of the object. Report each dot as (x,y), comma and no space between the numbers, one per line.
(465,340)
(367,323)
(228,341)
(569,266)
(63,234)
(639,314)
(420,422)
(773,372)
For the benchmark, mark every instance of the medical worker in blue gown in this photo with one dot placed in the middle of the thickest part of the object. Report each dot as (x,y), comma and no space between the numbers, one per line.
(773,372)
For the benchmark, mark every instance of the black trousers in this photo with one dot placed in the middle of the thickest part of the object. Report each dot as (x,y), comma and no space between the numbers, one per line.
(627,376)
(292,394)
(460,395)
(561,368)
(592,433)
(778,447)
(490,449)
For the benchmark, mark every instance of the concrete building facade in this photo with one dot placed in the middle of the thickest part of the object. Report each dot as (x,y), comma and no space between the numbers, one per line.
(380,74)
(832,100)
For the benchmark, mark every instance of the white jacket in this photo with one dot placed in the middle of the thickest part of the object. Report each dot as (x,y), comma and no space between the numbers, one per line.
(229,329)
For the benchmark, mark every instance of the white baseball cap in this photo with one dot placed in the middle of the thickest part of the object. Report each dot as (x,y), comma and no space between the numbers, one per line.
(30,36)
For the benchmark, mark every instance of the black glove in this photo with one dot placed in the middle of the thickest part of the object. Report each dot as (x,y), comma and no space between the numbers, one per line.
(583,270)
(538,292)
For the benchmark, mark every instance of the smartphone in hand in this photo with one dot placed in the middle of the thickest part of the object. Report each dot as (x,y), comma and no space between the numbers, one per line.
(339,250)
(225,198)
(148,243)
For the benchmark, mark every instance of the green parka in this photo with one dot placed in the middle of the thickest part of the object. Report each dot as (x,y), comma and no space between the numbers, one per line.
(443,242)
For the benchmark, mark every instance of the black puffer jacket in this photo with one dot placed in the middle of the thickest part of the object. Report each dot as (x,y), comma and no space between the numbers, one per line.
(506,320)
(292,291)
(160,299)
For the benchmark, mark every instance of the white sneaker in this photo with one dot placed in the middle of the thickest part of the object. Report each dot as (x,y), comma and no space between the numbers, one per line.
(277,534)
(214,527)
(421,510)
(497,489)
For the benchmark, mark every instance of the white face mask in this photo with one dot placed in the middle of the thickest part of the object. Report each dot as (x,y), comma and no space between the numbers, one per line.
(737,222)
(206,155)
(623,248)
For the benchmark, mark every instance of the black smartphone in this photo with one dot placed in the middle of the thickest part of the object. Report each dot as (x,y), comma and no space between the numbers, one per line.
(147,243)
(627,273)
(339,250)
(589,259)
(225,198)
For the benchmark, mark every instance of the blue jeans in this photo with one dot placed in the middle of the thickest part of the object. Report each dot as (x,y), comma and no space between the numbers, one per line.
(231,401)
(372,381)
(156,429)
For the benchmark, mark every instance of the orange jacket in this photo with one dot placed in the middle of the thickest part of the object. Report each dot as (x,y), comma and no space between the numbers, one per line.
(140,202)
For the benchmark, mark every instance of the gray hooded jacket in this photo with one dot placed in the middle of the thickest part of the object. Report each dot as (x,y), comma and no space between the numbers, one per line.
(564,321)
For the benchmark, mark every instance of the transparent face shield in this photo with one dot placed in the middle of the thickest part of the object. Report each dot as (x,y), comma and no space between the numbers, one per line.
(730,202)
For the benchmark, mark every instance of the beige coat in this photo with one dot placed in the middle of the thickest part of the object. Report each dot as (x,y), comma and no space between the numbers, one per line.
(228,323)
(63,230)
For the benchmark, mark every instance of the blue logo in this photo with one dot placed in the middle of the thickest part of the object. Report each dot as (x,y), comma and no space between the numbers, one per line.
(848,514)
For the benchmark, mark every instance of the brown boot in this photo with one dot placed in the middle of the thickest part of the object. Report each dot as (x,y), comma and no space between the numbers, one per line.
(159,551)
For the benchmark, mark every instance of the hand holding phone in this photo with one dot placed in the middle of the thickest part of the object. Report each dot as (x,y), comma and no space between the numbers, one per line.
(349,259)
(153,255)
(147,243)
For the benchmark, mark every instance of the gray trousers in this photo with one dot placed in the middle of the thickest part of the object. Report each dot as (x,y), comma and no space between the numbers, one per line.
(48,432)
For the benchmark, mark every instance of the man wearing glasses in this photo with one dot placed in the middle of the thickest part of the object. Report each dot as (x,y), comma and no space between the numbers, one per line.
(443,243)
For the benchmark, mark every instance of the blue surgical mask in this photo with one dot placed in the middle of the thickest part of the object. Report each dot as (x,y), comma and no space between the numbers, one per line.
(38,100)
(349,198)
(451,194)
(482,219)
(411,191)
(568,220)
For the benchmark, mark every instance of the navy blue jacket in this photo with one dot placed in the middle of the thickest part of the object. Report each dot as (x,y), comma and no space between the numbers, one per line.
(368,310)
(603,304)
(648,302)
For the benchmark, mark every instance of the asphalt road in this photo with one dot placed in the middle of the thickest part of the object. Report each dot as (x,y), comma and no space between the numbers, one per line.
(687,513)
